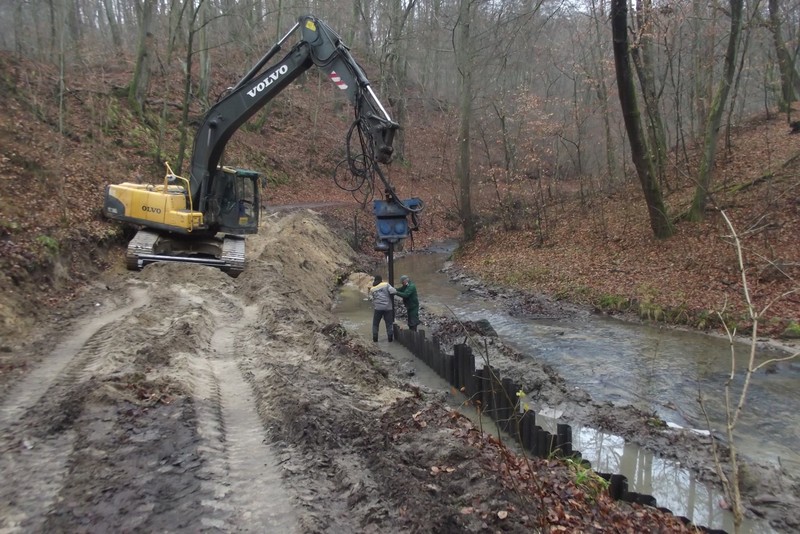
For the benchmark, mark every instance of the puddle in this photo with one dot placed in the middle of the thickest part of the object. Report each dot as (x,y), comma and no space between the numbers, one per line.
(673,486)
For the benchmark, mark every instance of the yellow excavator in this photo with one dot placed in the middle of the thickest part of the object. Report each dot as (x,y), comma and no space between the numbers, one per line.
(204,218)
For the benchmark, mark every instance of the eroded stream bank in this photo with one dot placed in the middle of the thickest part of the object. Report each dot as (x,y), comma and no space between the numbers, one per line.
(675,486)
(651,368)
(655,370)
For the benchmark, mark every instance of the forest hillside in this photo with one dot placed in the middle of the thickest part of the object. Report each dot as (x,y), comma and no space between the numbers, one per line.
(598,249)
(574,237)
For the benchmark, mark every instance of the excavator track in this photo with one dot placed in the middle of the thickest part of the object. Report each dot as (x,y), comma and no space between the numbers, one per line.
(233,255)
(142,245)
(148,247)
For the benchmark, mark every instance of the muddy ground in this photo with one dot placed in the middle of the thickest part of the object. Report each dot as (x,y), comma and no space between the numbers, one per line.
(178,399)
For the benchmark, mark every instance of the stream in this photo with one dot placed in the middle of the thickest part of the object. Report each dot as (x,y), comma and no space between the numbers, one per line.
(655,369)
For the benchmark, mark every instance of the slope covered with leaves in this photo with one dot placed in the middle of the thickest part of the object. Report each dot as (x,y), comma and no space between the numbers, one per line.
(600,251)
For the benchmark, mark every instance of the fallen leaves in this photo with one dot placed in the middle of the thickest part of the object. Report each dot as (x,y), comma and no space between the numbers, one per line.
(435,470)
(688,276)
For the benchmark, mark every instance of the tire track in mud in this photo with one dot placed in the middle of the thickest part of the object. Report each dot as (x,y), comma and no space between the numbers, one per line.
(22,396)
(241,469)
(33,468)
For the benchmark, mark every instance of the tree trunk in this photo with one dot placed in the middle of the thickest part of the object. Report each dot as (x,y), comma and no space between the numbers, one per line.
(113,26)
(54,25)
(737,84)
(643,61)
(187,98)
(278,19)
(703,67)
(18,33)
(395,58)
(464,61)
(187,83)
(362,10)
(141,74)
(711,136)
(177,34)
(601,91)
(657,211)
(204,75)
(790,81)
(73,22)
(355,21)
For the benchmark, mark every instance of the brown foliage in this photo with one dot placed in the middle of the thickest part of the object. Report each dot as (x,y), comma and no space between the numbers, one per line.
(599,249)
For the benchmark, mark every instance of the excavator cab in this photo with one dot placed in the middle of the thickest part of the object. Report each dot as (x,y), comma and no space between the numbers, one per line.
(235,194)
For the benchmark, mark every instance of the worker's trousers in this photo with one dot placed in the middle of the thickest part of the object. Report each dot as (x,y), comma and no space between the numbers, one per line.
(388,317)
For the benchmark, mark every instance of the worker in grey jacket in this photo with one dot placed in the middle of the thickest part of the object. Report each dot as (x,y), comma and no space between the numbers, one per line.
(381,296)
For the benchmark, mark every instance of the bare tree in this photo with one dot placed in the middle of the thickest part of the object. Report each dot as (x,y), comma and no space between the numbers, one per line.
(733,411)
(644,62)
(748,32)
(711,136)
(464,60)
(145,10)
(601,87)
(113,26)
(194,13)
(703,66)
(395,60)
(362,24)
(790,81)
(204,82)
(642,159)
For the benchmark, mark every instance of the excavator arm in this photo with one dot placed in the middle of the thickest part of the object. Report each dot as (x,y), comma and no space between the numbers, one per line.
(318,46)
(182,219)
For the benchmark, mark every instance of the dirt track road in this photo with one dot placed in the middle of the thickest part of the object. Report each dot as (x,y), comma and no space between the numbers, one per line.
(180,400)
(142,419)
(143,416)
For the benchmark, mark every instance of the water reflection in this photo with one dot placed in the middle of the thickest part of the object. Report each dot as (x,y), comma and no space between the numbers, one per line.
(672,485)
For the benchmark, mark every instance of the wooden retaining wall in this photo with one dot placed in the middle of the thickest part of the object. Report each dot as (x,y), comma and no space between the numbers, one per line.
(498,400)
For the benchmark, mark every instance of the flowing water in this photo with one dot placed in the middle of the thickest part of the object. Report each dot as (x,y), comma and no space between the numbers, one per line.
(655,369)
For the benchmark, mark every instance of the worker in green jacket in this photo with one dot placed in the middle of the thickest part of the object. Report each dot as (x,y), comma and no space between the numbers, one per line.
(408,291)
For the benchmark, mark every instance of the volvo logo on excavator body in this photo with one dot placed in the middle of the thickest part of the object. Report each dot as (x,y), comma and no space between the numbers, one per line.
(268,80)
(151,209)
